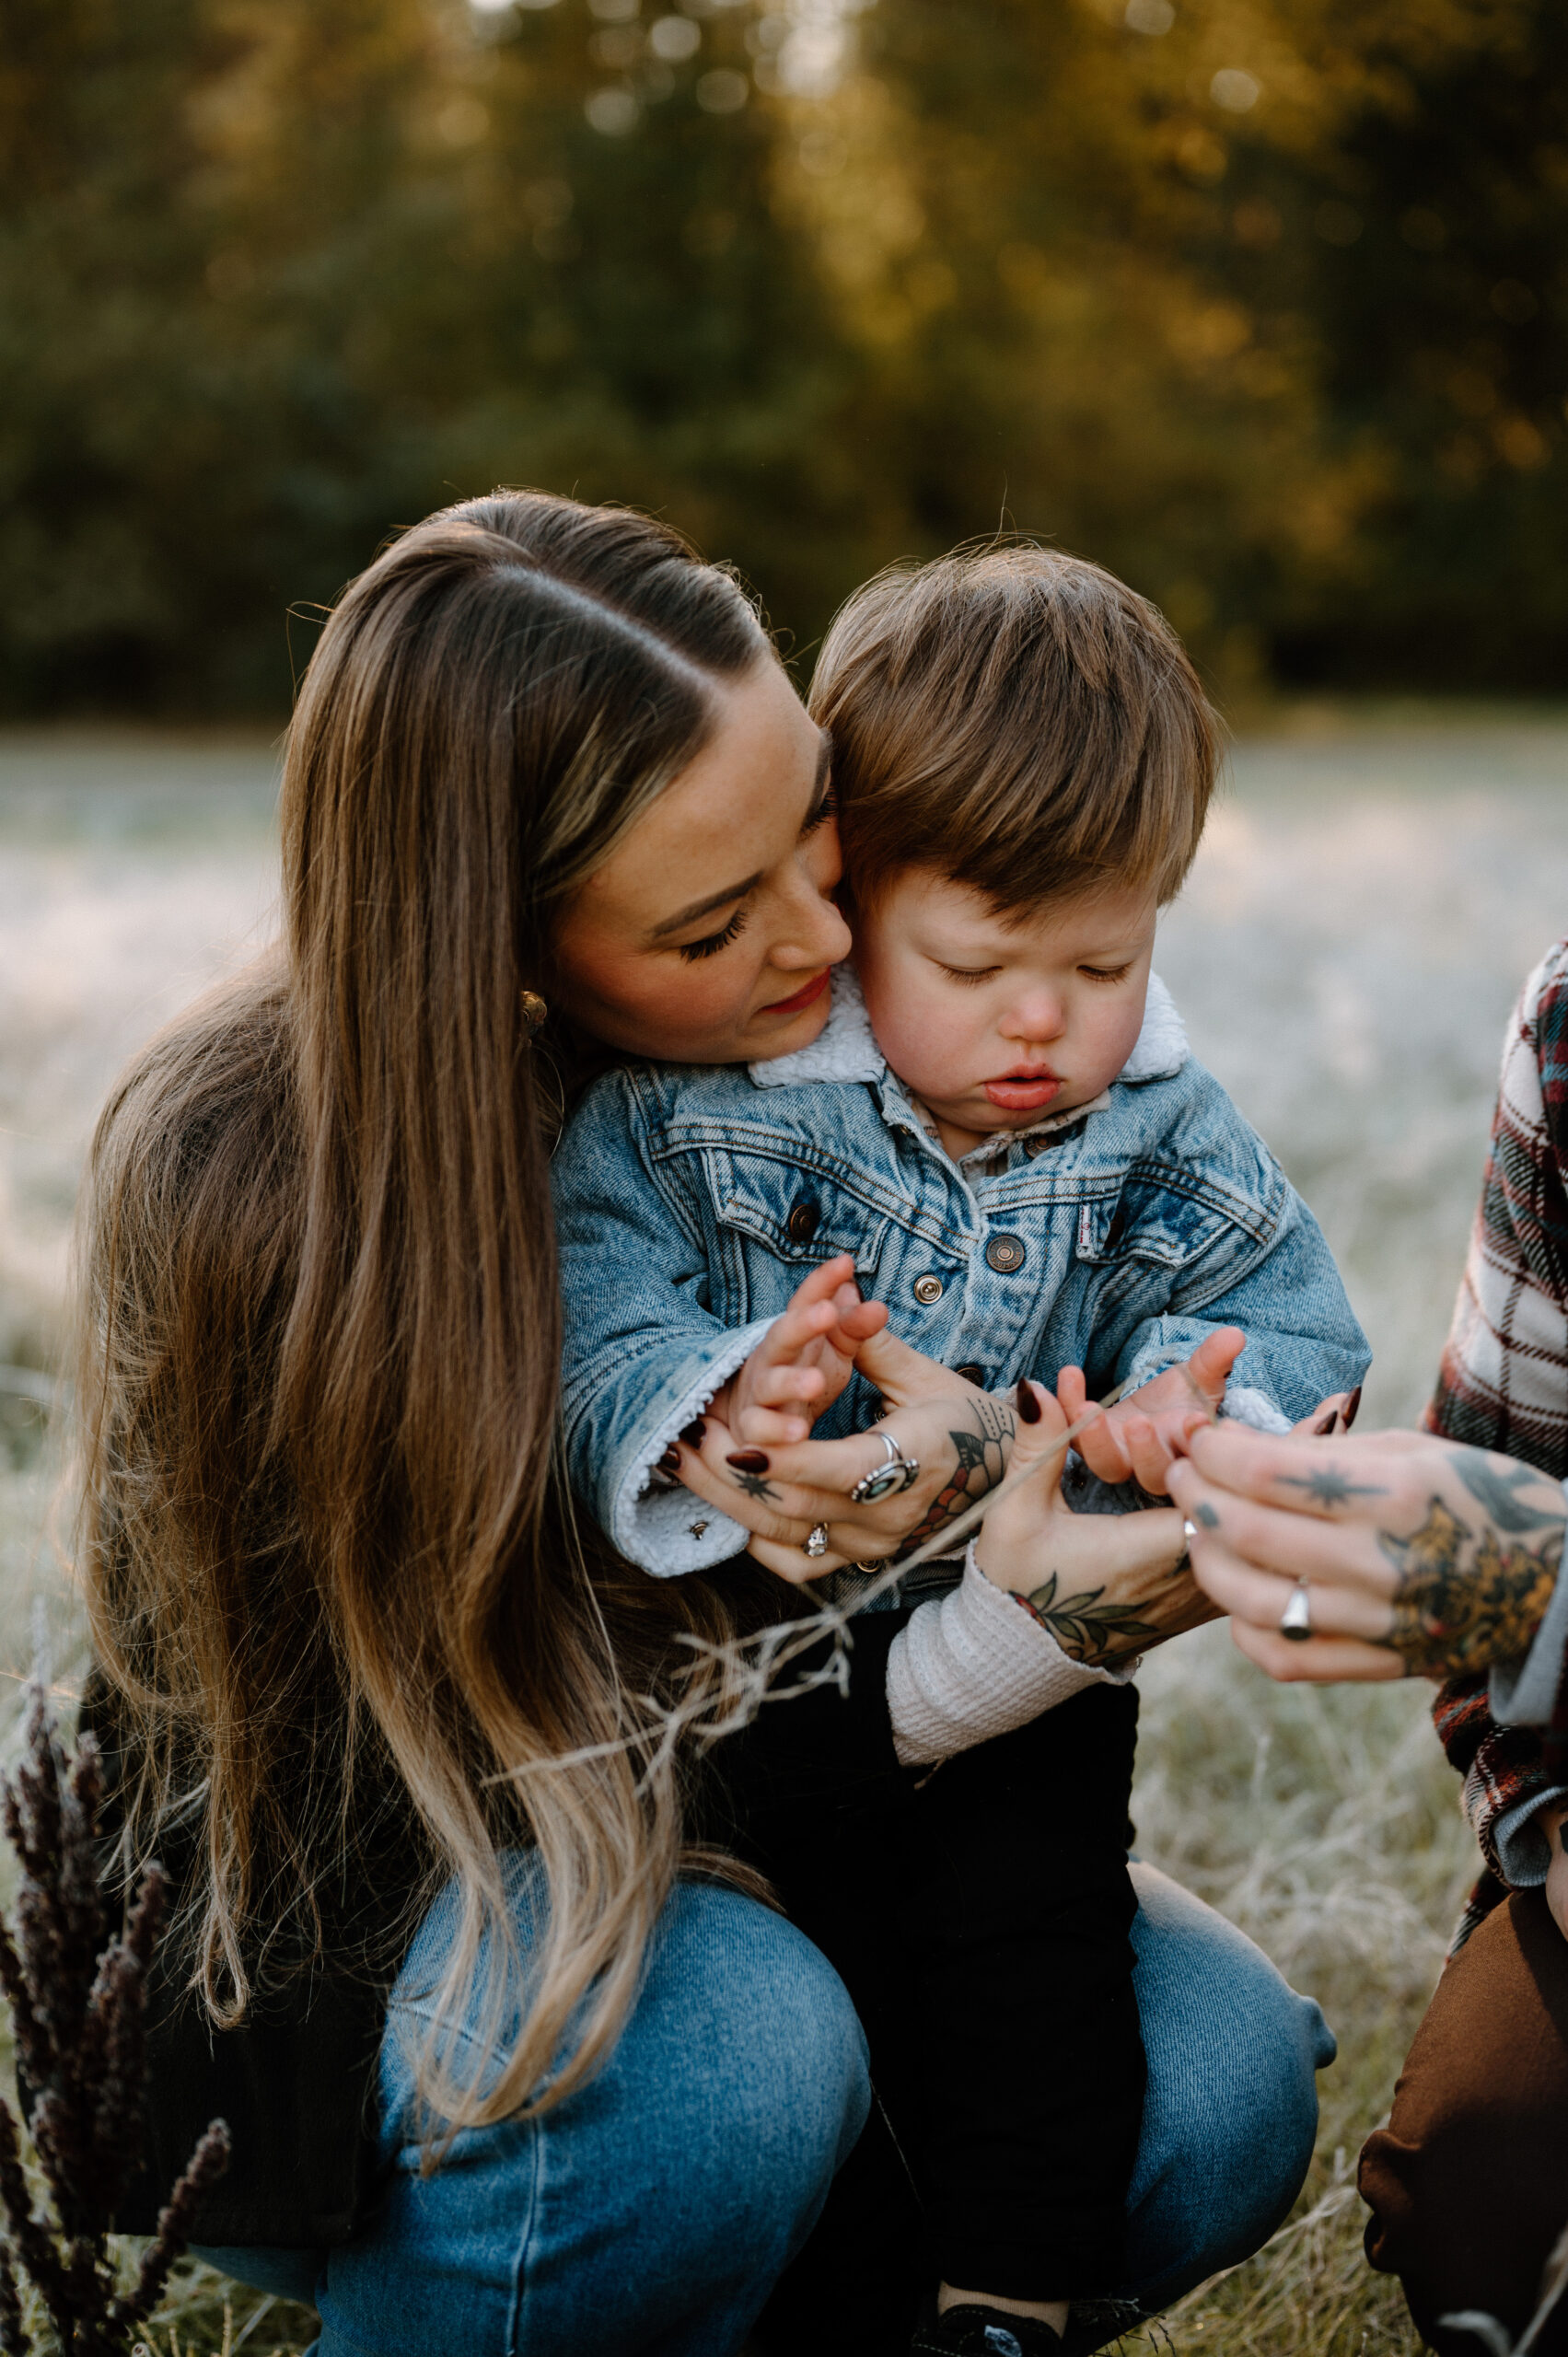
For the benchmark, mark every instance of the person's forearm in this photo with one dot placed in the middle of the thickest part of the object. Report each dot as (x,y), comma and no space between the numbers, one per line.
(977,1663)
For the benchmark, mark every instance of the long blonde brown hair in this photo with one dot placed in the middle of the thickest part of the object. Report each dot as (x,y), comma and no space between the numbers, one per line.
(332,1571)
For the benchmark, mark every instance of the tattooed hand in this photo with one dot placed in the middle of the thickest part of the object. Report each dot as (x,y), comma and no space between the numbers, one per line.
(1106,1586)
(1418,1555)
(957,1435)
(979,1446)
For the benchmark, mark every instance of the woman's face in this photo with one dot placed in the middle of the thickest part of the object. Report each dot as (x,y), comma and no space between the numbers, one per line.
(707,936)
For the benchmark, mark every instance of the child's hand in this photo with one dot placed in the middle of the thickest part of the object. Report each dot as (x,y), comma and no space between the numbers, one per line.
(1138,1439)
(804,1360)
(1551,1820)
(1106,1586)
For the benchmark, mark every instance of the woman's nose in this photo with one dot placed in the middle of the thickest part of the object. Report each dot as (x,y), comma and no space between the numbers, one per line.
(815,935)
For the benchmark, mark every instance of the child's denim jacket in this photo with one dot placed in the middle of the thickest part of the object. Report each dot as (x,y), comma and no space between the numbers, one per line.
(690,1200)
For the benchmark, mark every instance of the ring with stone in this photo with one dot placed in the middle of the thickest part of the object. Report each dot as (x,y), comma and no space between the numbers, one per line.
(894,1474)
(815,1544)
(1296,1620)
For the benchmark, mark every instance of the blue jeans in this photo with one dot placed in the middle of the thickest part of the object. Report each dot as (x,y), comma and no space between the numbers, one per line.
(650,2213)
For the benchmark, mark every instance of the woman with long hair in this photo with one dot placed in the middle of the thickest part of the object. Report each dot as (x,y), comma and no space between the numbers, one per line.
(512,2061)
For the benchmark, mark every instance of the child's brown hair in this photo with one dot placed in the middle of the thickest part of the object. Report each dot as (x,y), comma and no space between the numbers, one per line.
(1019,720)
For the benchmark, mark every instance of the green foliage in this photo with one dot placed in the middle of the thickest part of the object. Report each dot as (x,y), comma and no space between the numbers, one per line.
(1260,301)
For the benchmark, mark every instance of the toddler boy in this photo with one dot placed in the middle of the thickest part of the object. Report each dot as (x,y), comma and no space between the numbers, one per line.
(1001,1127)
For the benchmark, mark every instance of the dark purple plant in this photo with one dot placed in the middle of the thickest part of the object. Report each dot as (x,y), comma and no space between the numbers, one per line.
(78,2005)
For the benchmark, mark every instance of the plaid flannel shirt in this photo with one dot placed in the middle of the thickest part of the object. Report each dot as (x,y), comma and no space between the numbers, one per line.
(1504,1380)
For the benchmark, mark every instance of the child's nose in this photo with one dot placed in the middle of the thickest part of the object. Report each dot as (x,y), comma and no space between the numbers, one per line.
(1040,1017)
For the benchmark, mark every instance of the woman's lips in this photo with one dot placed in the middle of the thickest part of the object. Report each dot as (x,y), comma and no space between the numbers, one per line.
(803,997)
(1020,1094)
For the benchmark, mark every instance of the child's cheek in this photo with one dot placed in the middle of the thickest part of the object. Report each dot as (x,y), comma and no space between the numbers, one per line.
(936,1047)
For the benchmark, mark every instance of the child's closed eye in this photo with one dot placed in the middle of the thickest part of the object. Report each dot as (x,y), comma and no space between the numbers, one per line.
(1106,973)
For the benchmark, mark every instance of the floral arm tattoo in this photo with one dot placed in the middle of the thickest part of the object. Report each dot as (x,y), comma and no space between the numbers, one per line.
(1463,1604)
(980,1451)
(1084,1626)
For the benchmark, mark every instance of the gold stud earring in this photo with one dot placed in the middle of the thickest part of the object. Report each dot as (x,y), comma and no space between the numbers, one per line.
(534,1012)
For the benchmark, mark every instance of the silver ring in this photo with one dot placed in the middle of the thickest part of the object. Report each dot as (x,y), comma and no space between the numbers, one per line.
(1296,1620)
(816,1542)
(888,1479)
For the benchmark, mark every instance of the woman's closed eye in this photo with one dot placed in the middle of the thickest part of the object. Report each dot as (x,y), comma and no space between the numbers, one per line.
(712,943)
(826,809)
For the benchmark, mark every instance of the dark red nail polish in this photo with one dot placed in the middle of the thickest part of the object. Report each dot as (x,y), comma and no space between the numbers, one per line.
(1028,1405)
(692,1435)
(671,1461)
(748,1460)
(1321,1431)
(1352,1404)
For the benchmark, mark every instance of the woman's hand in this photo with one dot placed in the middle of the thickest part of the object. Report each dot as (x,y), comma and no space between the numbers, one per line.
(1107,1586)
(959,1438)
(1414,1554)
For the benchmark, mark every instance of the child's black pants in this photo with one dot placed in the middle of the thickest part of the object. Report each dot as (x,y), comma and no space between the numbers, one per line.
(979,1914)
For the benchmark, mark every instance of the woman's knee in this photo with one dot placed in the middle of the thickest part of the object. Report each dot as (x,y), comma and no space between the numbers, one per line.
(752,2033)
(690,2164)
(1231,2113)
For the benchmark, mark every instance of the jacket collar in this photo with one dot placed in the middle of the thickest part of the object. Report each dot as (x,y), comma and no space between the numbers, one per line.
(844,1049)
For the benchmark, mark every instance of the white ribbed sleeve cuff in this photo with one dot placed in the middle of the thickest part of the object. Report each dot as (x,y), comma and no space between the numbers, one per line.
(974,1663)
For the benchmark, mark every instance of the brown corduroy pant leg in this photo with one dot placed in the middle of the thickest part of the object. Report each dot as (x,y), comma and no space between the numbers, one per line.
(1469,2183)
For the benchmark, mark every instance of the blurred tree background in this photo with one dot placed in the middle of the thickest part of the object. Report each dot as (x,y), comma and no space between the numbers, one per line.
(1263,303)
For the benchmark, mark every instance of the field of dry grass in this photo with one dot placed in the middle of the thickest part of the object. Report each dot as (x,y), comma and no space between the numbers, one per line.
(1372,888)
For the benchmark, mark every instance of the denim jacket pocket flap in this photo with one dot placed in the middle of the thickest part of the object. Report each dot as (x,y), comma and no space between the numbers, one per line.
(801,1215)
(1151,1224)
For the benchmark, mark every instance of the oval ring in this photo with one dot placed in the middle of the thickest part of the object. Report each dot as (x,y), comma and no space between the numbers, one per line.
(815,1544)
(888,1479)
(1296,1620)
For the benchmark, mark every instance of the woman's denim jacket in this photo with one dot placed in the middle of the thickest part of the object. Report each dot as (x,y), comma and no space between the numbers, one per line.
(690,1200)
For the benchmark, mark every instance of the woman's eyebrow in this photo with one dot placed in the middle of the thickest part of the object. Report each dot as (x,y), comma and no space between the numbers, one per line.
(738,891)
(705,908)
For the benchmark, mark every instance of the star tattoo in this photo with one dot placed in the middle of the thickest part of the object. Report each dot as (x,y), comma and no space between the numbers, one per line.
(1327,1488)
(756,1485)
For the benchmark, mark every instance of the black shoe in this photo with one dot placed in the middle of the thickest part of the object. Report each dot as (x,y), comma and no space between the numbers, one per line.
(976,2331)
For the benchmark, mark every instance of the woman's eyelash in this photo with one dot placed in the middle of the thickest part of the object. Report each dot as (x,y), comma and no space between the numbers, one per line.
(827,808)
(711,944)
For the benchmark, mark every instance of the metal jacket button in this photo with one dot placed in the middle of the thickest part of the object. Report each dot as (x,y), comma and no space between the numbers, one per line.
(1006,1253)
(970,1373)
(803,1222)
(927,1290)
